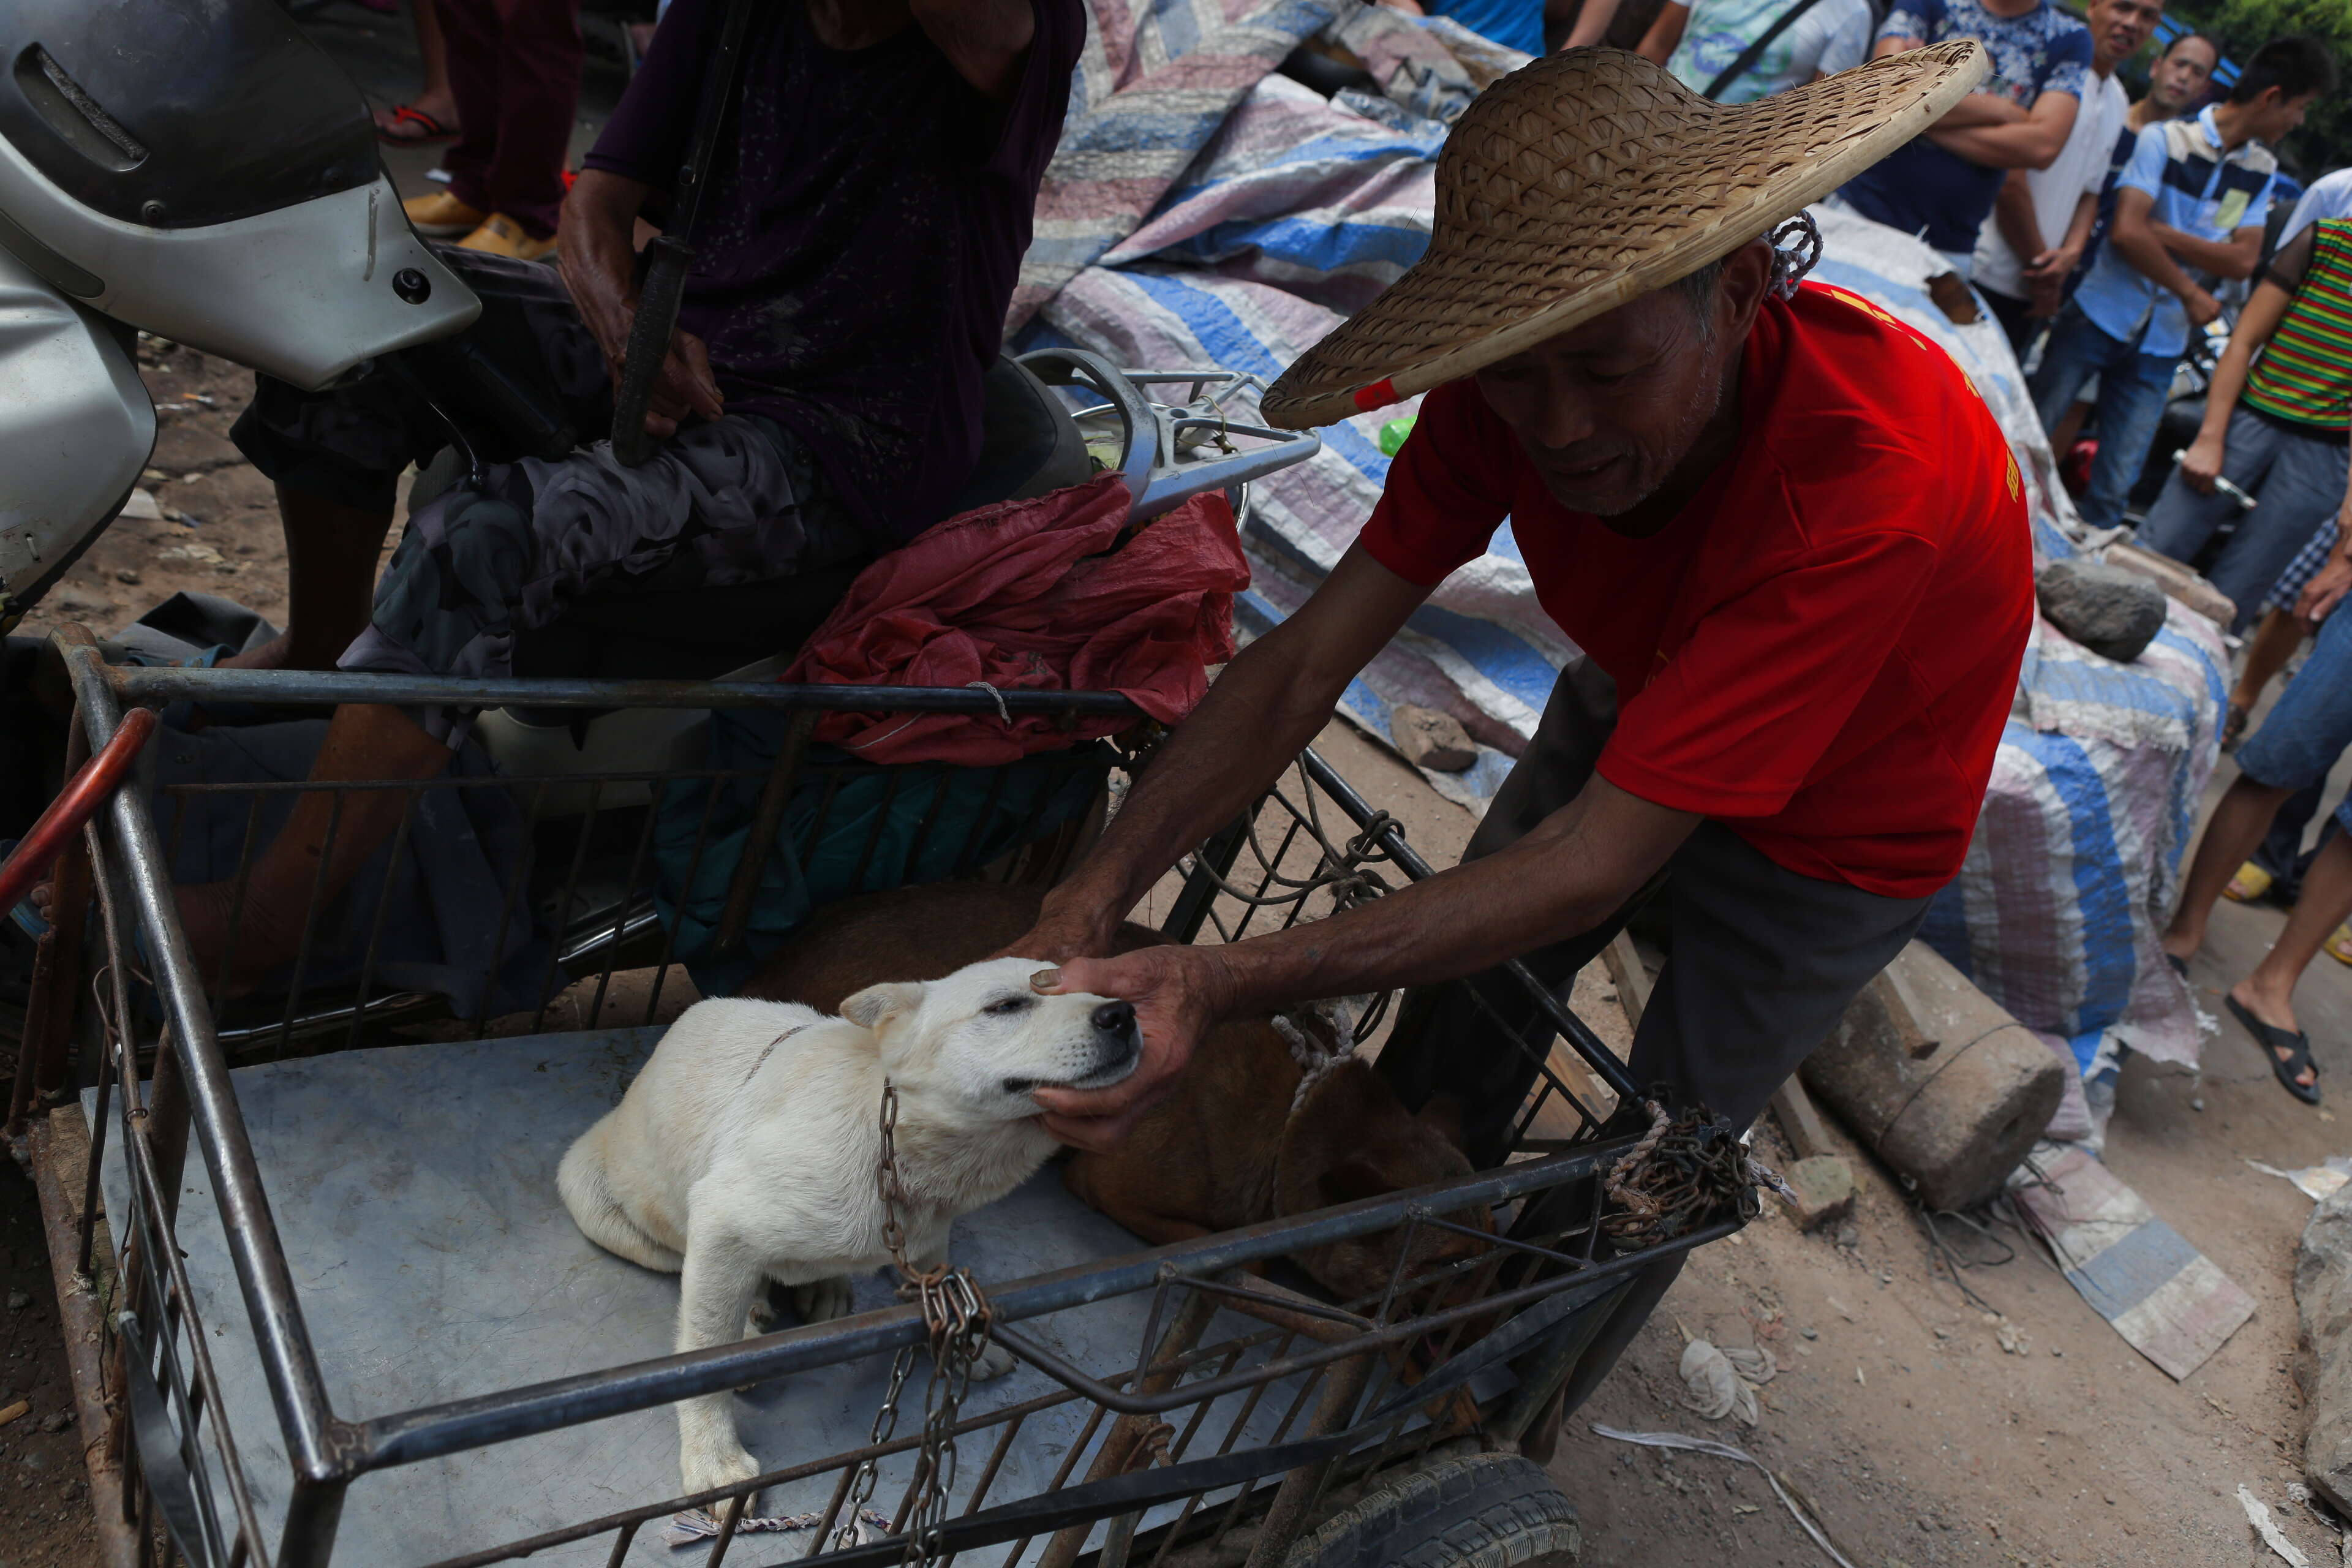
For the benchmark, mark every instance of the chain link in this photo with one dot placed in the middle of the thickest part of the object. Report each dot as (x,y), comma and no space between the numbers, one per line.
(956,1321)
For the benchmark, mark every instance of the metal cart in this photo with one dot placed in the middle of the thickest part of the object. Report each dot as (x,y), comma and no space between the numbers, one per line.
(281,1353)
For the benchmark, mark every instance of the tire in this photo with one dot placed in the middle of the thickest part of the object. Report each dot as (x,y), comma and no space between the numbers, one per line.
(1473,1510)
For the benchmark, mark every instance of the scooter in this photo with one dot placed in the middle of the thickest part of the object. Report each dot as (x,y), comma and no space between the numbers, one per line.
(203,172)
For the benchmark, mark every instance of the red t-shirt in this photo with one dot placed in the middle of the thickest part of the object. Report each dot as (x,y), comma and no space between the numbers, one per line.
(1821,647)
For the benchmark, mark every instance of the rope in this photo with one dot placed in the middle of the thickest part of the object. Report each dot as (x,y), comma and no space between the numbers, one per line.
(1314,1058)
(1795,250)
(1002,710)
(694,1524)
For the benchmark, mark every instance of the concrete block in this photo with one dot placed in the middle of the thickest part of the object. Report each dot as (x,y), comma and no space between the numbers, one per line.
(1825,1189)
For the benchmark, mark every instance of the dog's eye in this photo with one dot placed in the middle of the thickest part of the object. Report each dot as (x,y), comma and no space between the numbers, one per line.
(1011,1005)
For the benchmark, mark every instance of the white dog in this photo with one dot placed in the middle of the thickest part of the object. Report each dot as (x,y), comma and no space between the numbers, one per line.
(746,1149)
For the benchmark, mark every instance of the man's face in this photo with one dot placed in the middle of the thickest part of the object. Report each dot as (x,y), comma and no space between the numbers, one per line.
(2180,77)
(1607,410)
(2120,28)
(2276,116)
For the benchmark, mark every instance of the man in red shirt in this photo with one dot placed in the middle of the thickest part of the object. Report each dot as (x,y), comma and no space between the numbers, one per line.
(1788,537)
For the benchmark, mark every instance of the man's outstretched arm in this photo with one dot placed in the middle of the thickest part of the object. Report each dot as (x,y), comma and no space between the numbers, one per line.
(1578,866)
(1272,699)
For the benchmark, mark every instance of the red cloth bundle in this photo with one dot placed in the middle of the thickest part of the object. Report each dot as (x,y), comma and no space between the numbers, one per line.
(1022,597)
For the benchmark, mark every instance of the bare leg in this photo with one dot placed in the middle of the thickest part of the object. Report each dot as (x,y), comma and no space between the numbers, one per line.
(2070,425)
(331,552)
(2274,643)
(2238,824)
(433,97)
(2269,992)
(363,741)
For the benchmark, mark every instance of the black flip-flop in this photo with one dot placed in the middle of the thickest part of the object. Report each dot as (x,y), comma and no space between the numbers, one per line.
(2273,1040)
(2179,964)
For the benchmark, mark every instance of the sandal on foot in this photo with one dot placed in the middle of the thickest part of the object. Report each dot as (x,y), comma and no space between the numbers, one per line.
(2179,964)
(2251,885)
(2233,726)
(2273,1040)
(2339,946)
(428,131)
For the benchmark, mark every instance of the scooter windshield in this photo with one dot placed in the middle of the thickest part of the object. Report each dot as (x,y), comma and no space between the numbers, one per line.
(178,113)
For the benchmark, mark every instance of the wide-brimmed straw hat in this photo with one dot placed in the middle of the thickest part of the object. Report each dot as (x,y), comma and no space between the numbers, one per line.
(1586,178)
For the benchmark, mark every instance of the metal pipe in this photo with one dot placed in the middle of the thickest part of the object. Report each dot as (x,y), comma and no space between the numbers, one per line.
(59,1148)
(139,684)
(431,1431)
(1302,1486)
(59,826)
(1129,1433)
(282,1341)
(775,796)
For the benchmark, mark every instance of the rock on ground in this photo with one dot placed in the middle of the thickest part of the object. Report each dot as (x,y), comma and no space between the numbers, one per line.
(2323,1355)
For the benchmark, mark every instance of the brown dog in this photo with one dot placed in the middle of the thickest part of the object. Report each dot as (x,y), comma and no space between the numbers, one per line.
(1227,1149)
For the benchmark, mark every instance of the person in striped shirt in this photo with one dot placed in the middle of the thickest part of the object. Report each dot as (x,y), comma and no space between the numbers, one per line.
(2276,427)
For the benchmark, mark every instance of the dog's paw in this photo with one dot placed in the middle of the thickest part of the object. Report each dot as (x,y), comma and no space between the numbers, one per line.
(707,1466)
(769,1310)
(991,1363)
(822,1301)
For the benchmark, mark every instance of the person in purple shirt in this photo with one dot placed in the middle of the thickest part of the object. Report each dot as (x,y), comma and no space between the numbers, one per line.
(869,202)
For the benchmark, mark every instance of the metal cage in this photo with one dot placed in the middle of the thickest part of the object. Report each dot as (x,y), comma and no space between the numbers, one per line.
(1244,1408)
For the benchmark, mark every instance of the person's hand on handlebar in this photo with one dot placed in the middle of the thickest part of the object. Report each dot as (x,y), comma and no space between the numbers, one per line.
(685,388)
(598,263)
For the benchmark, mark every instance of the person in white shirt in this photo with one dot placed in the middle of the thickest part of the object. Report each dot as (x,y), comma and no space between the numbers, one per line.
(2042,217)
(2330,195)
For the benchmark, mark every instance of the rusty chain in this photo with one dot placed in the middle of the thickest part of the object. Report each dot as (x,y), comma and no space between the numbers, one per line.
(1682,1173)
(956,1318)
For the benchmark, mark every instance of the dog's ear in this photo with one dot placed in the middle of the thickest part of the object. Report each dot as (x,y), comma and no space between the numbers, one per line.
(877,1004)
(1351,1180)
(1443,1116)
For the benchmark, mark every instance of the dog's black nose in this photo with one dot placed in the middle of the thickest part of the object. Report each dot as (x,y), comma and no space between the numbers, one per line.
(1115,1018)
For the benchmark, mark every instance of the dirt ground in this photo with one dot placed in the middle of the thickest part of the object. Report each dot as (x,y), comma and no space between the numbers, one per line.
(1917,1438)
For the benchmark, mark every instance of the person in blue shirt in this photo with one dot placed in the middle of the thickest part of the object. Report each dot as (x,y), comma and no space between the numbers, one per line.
(1941,185)
(2195,194)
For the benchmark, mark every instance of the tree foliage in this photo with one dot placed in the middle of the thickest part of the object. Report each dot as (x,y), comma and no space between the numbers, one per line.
(2324,142)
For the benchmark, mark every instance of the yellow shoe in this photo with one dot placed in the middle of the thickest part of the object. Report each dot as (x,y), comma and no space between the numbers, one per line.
(440,216)
(502,235)
(2249,886)
(2339,946)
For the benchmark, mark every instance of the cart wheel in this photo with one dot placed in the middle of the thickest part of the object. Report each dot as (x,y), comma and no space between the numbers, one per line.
(1475,1510)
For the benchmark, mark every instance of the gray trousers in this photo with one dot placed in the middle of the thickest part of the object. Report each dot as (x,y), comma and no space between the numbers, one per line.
(1763,963)
(2299,478)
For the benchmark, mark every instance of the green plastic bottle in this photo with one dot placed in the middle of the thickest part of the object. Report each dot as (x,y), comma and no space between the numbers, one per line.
(1393,434)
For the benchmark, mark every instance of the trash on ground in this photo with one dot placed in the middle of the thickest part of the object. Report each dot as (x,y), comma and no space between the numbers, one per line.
(1726,1451)
(2259,1516)
(2168,1301)
(2314,1182)
(1714,1386)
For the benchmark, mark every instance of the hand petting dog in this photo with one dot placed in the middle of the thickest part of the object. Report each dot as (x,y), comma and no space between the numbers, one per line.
(1179,997)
